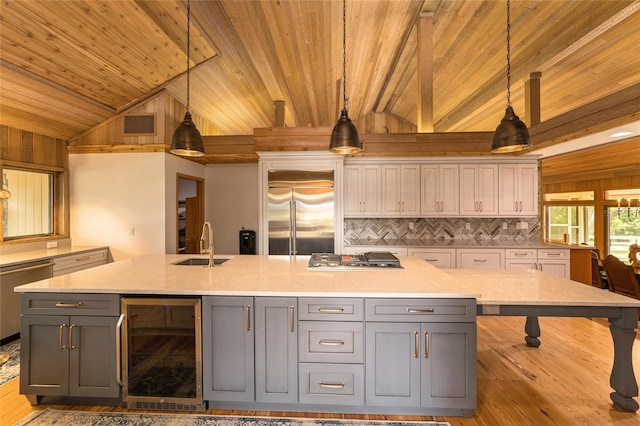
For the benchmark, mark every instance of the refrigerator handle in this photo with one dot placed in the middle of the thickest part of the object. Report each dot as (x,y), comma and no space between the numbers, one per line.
(292,241)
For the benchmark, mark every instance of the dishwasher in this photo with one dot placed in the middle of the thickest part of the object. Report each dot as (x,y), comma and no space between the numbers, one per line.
(11,277)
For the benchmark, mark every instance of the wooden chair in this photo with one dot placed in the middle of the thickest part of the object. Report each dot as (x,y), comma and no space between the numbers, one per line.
(621,277)
(598,274)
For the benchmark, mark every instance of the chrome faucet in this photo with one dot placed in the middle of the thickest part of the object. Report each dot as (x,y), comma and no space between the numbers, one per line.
(203,237)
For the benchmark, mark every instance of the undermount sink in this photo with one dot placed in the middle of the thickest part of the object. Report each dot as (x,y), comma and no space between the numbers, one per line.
(199,261)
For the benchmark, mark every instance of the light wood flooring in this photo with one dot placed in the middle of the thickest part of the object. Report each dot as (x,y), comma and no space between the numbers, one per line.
(563,382)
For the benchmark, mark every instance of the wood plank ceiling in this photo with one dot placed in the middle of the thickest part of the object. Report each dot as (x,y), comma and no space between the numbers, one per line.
(67,66)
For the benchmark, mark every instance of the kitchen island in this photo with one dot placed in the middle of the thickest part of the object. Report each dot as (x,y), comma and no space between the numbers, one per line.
(386,296)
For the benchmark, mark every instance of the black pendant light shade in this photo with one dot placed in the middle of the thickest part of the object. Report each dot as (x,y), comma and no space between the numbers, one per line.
(187,140)
(344,136)
(511,134)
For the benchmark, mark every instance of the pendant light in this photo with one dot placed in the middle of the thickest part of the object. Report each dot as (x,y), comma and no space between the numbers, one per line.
(344,136)
(187,140)
(511,135)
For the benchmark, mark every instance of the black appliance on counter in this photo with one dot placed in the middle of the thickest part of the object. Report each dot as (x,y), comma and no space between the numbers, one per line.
(372,259)
(247,241)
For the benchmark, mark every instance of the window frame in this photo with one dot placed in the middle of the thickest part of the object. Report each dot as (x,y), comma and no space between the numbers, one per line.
(60,203)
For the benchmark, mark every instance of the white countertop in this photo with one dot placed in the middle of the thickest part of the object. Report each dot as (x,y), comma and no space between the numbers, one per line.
(35,255)
(285,276)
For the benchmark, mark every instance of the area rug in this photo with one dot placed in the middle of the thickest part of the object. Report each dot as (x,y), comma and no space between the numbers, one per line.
(49,417)
(10,369)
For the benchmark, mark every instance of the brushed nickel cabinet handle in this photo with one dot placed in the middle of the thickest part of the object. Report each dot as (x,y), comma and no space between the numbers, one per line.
(480,260)
(480,205)
(69,305)
(520,205)
(292,318)
(71,345)
(248,318)
(331,342)
(416,344)
(60,344)
(426,344)
(81,259)
(119,350)
(331,385)
(420,311)
(330,310)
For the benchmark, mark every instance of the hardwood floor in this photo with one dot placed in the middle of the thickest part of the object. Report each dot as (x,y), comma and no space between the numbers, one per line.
(563,382)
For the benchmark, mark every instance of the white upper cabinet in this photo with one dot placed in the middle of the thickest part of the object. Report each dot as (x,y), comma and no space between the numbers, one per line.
(401,190)
(518,189)
(362,190)
(478,189)
(440,189)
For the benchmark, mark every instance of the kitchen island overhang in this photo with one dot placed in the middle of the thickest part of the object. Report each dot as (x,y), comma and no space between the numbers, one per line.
(497,292)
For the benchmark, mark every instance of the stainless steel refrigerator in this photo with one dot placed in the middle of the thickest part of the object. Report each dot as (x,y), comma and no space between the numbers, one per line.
(301,212)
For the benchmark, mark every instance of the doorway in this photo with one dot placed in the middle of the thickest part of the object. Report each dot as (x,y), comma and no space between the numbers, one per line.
(190,213)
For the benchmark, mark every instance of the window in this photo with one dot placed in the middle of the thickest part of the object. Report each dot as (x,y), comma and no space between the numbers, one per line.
(569,218)
(28,203)
(622,218)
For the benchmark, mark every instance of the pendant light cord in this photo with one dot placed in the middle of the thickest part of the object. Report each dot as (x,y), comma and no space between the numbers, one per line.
(188,47)
(344,53)
(508,52)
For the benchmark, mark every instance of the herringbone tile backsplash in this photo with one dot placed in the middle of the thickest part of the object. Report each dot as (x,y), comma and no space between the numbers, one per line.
(398,230)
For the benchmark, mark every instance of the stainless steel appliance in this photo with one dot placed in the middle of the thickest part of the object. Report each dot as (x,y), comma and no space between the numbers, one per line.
(161,353)
(353,261)
(10,278)
(301,212)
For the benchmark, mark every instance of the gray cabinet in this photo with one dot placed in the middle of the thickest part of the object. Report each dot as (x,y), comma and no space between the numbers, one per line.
(77,262)
(331,348)
(276,340)
(68,345)
(421,353)
(228,348)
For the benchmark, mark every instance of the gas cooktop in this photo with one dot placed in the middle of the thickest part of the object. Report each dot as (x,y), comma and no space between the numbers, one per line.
(349,261)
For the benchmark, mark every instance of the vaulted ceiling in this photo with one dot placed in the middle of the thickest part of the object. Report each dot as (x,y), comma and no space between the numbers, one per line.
(66,66)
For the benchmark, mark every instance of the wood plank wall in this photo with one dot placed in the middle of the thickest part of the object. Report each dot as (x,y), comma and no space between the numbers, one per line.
(21,146)
(610,166)
(109,135)
(28,150)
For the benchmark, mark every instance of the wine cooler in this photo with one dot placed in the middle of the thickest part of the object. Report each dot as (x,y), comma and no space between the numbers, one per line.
(161,353)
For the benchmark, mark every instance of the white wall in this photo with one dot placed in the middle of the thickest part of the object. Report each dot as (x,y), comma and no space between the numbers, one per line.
(231,202)
(126,201)
(173,166)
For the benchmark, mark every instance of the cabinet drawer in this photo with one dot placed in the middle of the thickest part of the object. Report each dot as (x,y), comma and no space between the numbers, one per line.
(521,254)
(481,259)
(420,310)
(444,258)
(334,384)
(557,254)
(70,304)
(77,262)
(331,341)
(330,309)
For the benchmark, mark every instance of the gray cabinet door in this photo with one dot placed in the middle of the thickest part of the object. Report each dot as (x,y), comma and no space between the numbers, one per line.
(448,365)
(276,349)
(68,356)
(392,367)
(44,357)
(228,348)
(92,357)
